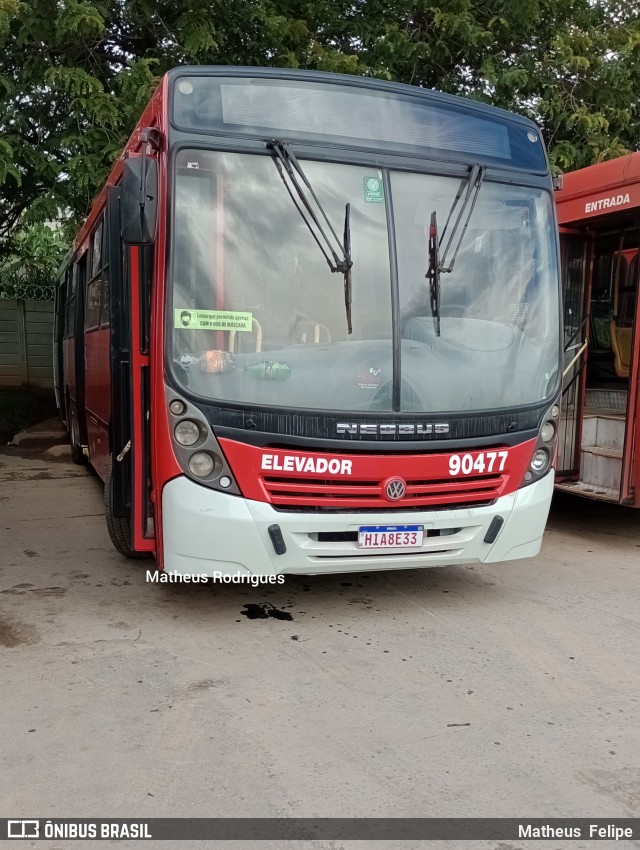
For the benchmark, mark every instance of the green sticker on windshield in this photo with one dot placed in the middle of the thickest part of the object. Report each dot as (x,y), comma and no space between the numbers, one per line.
(211,320)
(373,190)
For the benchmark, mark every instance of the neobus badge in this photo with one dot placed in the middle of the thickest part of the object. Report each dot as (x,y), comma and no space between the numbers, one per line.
(384,428)
(305,463)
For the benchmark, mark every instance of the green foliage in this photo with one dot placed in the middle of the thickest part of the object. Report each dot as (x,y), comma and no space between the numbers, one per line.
(75,74)
(29,270)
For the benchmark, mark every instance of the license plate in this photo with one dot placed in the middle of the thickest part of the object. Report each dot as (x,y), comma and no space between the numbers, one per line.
(390,536)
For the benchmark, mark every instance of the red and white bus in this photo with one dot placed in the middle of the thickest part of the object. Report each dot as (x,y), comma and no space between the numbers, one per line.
(599,215)
(312,324)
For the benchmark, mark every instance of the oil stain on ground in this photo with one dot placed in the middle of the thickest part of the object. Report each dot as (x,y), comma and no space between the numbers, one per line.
(14,633)
(21,589)
(264,610)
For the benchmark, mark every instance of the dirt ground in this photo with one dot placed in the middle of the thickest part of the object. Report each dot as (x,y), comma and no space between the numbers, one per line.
(506,690)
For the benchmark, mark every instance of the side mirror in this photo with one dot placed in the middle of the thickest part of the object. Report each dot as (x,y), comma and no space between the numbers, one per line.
(139,201)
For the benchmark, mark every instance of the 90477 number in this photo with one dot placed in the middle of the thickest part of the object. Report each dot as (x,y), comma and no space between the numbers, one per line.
(483,462)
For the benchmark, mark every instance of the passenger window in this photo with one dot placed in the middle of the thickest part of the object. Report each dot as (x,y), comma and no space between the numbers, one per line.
(104,315)
(96,250)
(70,303)
(92,314)
(97,306)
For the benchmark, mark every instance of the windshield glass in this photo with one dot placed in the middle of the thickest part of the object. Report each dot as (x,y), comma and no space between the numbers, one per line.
(258,318)
(499,308)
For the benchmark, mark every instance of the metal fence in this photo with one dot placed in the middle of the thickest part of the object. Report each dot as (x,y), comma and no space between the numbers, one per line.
(26,344)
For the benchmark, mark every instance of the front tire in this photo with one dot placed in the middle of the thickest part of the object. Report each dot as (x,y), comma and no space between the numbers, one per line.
(119,527)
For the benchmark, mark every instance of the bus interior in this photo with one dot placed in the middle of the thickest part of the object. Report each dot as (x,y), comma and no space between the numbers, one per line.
(600,267)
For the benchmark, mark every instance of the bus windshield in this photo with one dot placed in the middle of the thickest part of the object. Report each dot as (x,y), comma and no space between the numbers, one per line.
(257,317)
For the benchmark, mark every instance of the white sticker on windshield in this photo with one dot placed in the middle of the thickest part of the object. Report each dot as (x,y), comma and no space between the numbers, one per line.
(212,320)
(373,190)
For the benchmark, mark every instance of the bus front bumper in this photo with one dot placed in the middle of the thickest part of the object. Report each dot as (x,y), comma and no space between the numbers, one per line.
(208,532)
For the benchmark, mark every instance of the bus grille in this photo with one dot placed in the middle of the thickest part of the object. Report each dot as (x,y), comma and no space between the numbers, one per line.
(297,492)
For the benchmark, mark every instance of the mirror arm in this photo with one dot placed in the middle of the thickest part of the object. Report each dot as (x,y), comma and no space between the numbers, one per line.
(152,136)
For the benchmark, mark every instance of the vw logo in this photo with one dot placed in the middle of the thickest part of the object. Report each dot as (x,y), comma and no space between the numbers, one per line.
(395,489)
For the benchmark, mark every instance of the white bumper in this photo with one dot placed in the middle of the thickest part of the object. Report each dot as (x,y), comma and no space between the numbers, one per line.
(206,531)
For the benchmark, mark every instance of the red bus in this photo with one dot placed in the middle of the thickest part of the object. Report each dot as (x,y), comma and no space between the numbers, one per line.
(312,324)
(599,216)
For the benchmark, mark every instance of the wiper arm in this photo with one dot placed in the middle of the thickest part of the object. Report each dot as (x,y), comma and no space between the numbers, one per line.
(337,254)
(472,187)
(437,263)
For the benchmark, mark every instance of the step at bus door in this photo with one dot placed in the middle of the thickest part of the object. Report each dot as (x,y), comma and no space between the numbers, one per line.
(130,385)
(575,254)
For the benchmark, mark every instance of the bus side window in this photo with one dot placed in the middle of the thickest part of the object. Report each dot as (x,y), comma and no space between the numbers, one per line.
(92,314)
(70,302)
(104,274)
(94,287)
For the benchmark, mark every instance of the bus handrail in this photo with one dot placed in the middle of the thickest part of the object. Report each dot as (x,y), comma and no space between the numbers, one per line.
(577,357)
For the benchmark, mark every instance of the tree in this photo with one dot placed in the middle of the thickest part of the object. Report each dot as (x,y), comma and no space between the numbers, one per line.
(573,66)
(29,271)
(75,74)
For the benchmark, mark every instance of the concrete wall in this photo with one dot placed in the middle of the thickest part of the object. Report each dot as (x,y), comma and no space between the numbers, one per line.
(26,340)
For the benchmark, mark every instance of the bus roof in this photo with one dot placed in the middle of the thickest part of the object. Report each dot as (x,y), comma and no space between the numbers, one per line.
(155,114)
(600,190)
(305,75)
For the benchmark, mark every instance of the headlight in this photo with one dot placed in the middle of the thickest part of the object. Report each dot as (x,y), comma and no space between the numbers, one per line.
(187,433)
(201,464)
(540,460)
(548,432)
(177,407)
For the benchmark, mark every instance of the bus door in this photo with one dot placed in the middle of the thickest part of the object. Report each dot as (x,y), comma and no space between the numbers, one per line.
(130,295)
(575,254)
(609,411)
(626,349)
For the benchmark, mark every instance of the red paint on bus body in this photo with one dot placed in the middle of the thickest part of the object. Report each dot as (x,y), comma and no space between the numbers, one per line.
(293,478)
(602,189)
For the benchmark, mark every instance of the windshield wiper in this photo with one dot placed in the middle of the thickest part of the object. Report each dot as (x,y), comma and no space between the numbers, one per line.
(337,254)
(433,273)
(346,241)
(438,262)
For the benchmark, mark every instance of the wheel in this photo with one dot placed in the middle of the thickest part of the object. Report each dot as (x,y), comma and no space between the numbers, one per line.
(77,455)
(119,527)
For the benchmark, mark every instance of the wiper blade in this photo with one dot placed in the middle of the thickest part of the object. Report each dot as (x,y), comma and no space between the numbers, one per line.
(437,263)
(347,274)
(472,187)
(337,254)
(433,273)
